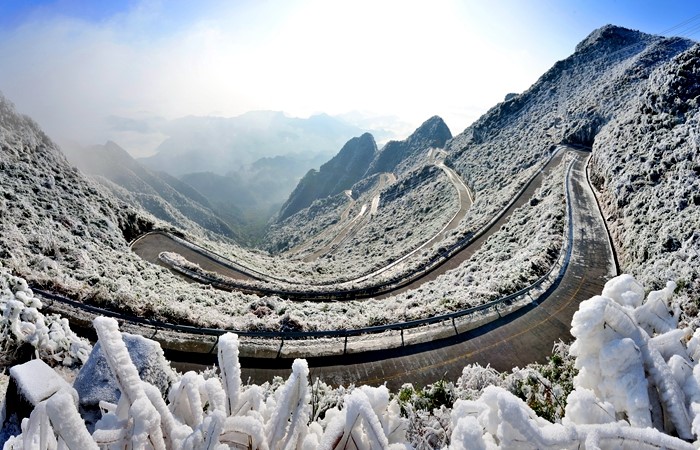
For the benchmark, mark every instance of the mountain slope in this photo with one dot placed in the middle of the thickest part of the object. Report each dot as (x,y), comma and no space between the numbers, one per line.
(357,168)
(162,195)
(54,219)
(339,174)
(359,159)
(647,168)
(571,103)
(64,231)
(399,154)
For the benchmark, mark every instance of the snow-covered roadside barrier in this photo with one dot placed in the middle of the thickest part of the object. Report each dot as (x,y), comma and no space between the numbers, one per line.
(636,387)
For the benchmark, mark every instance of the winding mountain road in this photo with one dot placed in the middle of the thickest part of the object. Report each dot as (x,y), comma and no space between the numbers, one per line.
(149,248)
(356,223)
(514,340)
(151,245)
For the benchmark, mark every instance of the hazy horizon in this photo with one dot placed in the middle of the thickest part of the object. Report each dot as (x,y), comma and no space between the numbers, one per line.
(92,72)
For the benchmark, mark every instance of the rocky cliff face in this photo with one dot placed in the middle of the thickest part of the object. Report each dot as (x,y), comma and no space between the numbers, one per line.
(398,156)
(340,173)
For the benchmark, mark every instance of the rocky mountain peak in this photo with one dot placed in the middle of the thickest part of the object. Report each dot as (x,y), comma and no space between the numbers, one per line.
(340,173)
(355,155)
(611,37)
(433,133)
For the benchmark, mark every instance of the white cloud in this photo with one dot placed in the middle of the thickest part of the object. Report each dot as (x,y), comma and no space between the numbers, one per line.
(400,58)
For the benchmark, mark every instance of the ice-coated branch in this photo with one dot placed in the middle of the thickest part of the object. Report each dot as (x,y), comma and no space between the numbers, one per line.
(146,432)
(212,430)
(230,369)
(619,361)
(118,359)
(244,429)
(359,425)
(670,393)
(174,431)
(67,423)
(216,395)
(291,415)
(144,419)
(509,423)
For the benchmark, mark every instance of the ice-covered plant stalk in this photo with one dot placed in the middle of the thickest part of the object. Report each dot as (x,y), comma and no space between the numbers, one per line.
(230,369)
(288,422)
(615,354)
(359,425)
(146,420)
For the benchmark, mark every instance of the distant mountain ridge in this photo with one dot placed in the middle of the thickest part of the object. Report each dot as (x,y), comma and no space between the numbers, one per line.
(432,133)
(340,173)
(164,196)
(358,159)
(224,144)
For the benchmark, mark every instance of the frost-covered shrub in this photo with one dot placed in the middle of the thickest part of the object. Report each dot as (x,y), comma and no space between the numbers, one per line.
(23,323)
(216,411)
(636,383)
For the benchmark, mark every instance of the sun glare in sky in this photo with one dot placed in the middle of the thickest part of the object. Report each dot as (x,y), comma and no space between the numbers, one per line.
(80,67)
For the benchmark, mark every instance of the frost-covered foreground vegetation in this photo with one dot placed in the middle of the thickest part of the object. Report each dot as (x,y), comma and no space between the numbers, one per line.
(629,380)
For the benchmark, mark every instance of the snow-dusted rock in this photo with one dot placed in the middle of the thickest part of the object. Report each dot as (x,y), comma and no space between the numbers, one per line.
(95,381)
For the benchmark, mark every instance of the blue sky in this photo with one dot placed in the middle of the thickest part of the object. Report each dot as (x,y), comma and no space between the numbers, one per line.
(72,64)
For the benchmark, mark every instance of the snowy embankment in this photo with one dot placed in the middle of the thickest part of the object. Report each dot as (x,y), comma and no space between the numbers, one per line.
(629,379)
(647,167)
